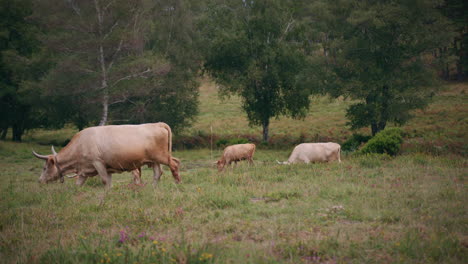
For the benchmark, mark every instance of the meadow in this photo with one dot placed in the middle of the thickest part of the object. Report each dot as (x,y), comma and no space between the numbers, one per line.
(368,209)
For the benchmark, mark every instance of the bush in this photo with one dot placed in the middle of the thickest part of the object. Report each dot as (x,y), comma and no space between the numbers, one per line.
(354,142)
(221,142)
(234,141)
(387,141)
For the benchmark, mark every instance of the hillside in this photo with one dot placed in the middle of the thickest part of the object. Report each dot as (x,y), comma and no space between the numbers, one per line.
(441,127)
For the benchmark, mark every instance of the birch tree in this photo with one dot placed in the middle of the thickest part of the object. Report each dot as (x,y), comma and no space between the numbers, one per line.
(98,49)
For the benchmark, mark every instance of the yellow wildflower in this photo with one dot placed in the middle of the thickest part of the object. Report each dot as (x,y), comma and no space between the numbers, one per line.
(163,249)
(206,256)
(155,242)
(118,254)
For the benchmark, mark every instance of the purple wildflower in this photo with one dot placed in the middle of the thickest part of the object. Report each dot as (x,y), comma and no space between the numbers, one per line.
(143,234)
(123,236)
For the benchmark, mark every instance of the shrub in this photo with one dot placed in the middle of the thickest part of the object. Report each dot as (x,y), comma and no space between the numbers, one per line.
(234,141)
(354,142)
(223,142)
(387,141)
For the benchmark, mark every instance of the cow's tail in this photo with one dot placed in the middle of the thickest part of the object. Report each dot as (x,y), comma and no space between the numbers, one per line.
(253,150)
(169,141)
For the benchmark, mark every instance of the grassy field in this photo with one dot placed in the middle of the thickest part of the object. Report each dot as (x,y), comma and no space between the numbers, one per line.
(369,209)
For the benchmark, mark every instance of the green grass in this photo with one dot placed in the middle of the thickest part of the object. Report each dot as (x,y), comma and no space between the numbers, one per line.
(369,209)
(408,209)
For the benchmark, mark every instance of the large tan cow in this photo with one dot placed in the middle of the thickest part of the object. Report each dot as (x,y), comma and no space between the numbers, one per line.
(137,172)
(314,152)
(105,150)
(236,153)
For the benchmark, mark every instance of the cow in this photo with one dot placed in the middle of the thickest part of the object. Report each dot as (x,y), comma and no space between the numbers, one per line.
(236,153)
(111,149)
(314,152)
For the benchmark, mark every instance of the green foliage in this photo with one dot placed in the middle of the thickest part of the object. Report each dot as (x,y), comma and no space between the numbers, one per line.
(387,141)
(376,54)
(137,65)
(221,143)
(354,142)
(21,62)
(254,50)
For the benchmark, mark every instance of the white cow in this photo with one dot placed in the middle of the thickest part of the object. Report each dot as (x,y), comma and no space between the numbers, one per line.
(314,152)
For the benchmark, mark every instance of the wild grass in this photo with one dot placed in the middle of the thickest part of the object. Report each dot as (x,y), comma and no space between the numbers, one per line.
(407,209)
(368,209)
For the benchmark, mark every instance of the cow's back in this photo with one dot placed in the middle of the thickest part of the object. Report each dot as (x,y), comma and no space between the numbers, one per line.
(127,146)
(312,152)
(238,151)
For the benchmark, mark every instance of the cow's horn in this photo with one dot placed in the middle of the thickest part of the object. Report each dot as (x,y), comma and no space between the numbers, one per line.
(72,176)
(53,150)
(40,156)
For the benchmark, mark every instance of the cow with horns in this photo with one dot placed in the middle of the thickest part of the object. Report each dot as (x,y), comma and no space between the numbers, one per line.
(111,149)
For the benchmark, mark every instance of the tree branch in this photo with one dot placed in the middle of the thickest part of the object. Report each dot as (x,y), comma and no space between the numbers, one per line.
(124,99)
(131,76)
(115,55)
(111,29)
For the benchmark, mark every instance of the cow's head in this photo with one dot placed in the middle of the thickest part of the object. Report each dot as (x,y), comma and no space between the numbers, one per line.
(51,170)
(174,166)
(220,164)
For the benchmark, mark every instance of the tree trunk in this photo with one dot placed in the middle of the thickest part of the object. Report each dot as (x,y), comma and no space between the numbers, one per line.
(374,128)
(104,88)
(3,133)
(377,127)
(102,62)
(17,132)
(265,126)
(105,108)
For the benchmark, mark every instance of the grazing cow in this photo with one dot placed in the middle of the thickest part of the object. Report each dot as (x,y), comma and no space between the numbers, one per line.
(137,172)
(105,150)
(236,153)
(314,152)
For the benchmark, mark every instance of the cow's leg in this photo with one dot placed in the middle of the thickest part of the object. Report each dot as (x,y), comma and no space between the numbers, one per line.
(251,161)
(105,177)
(81,180)
(136,176)
(157,172)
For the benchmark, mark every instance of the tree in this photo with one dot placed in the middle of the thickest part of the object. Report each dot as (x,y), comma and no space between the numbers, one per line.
(455,10)
(99,47)
(376,53)
(255,50)
(109,54)
(170,97)
(20,61)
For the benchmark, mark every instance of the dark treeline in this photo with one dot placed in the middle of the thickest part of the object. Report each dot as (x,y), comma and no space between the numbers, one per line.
(118,61)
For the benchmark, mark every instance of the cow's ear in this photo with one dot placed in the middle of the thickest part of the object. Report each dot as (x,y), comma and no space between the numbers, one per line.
(52,161)
(176,160)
